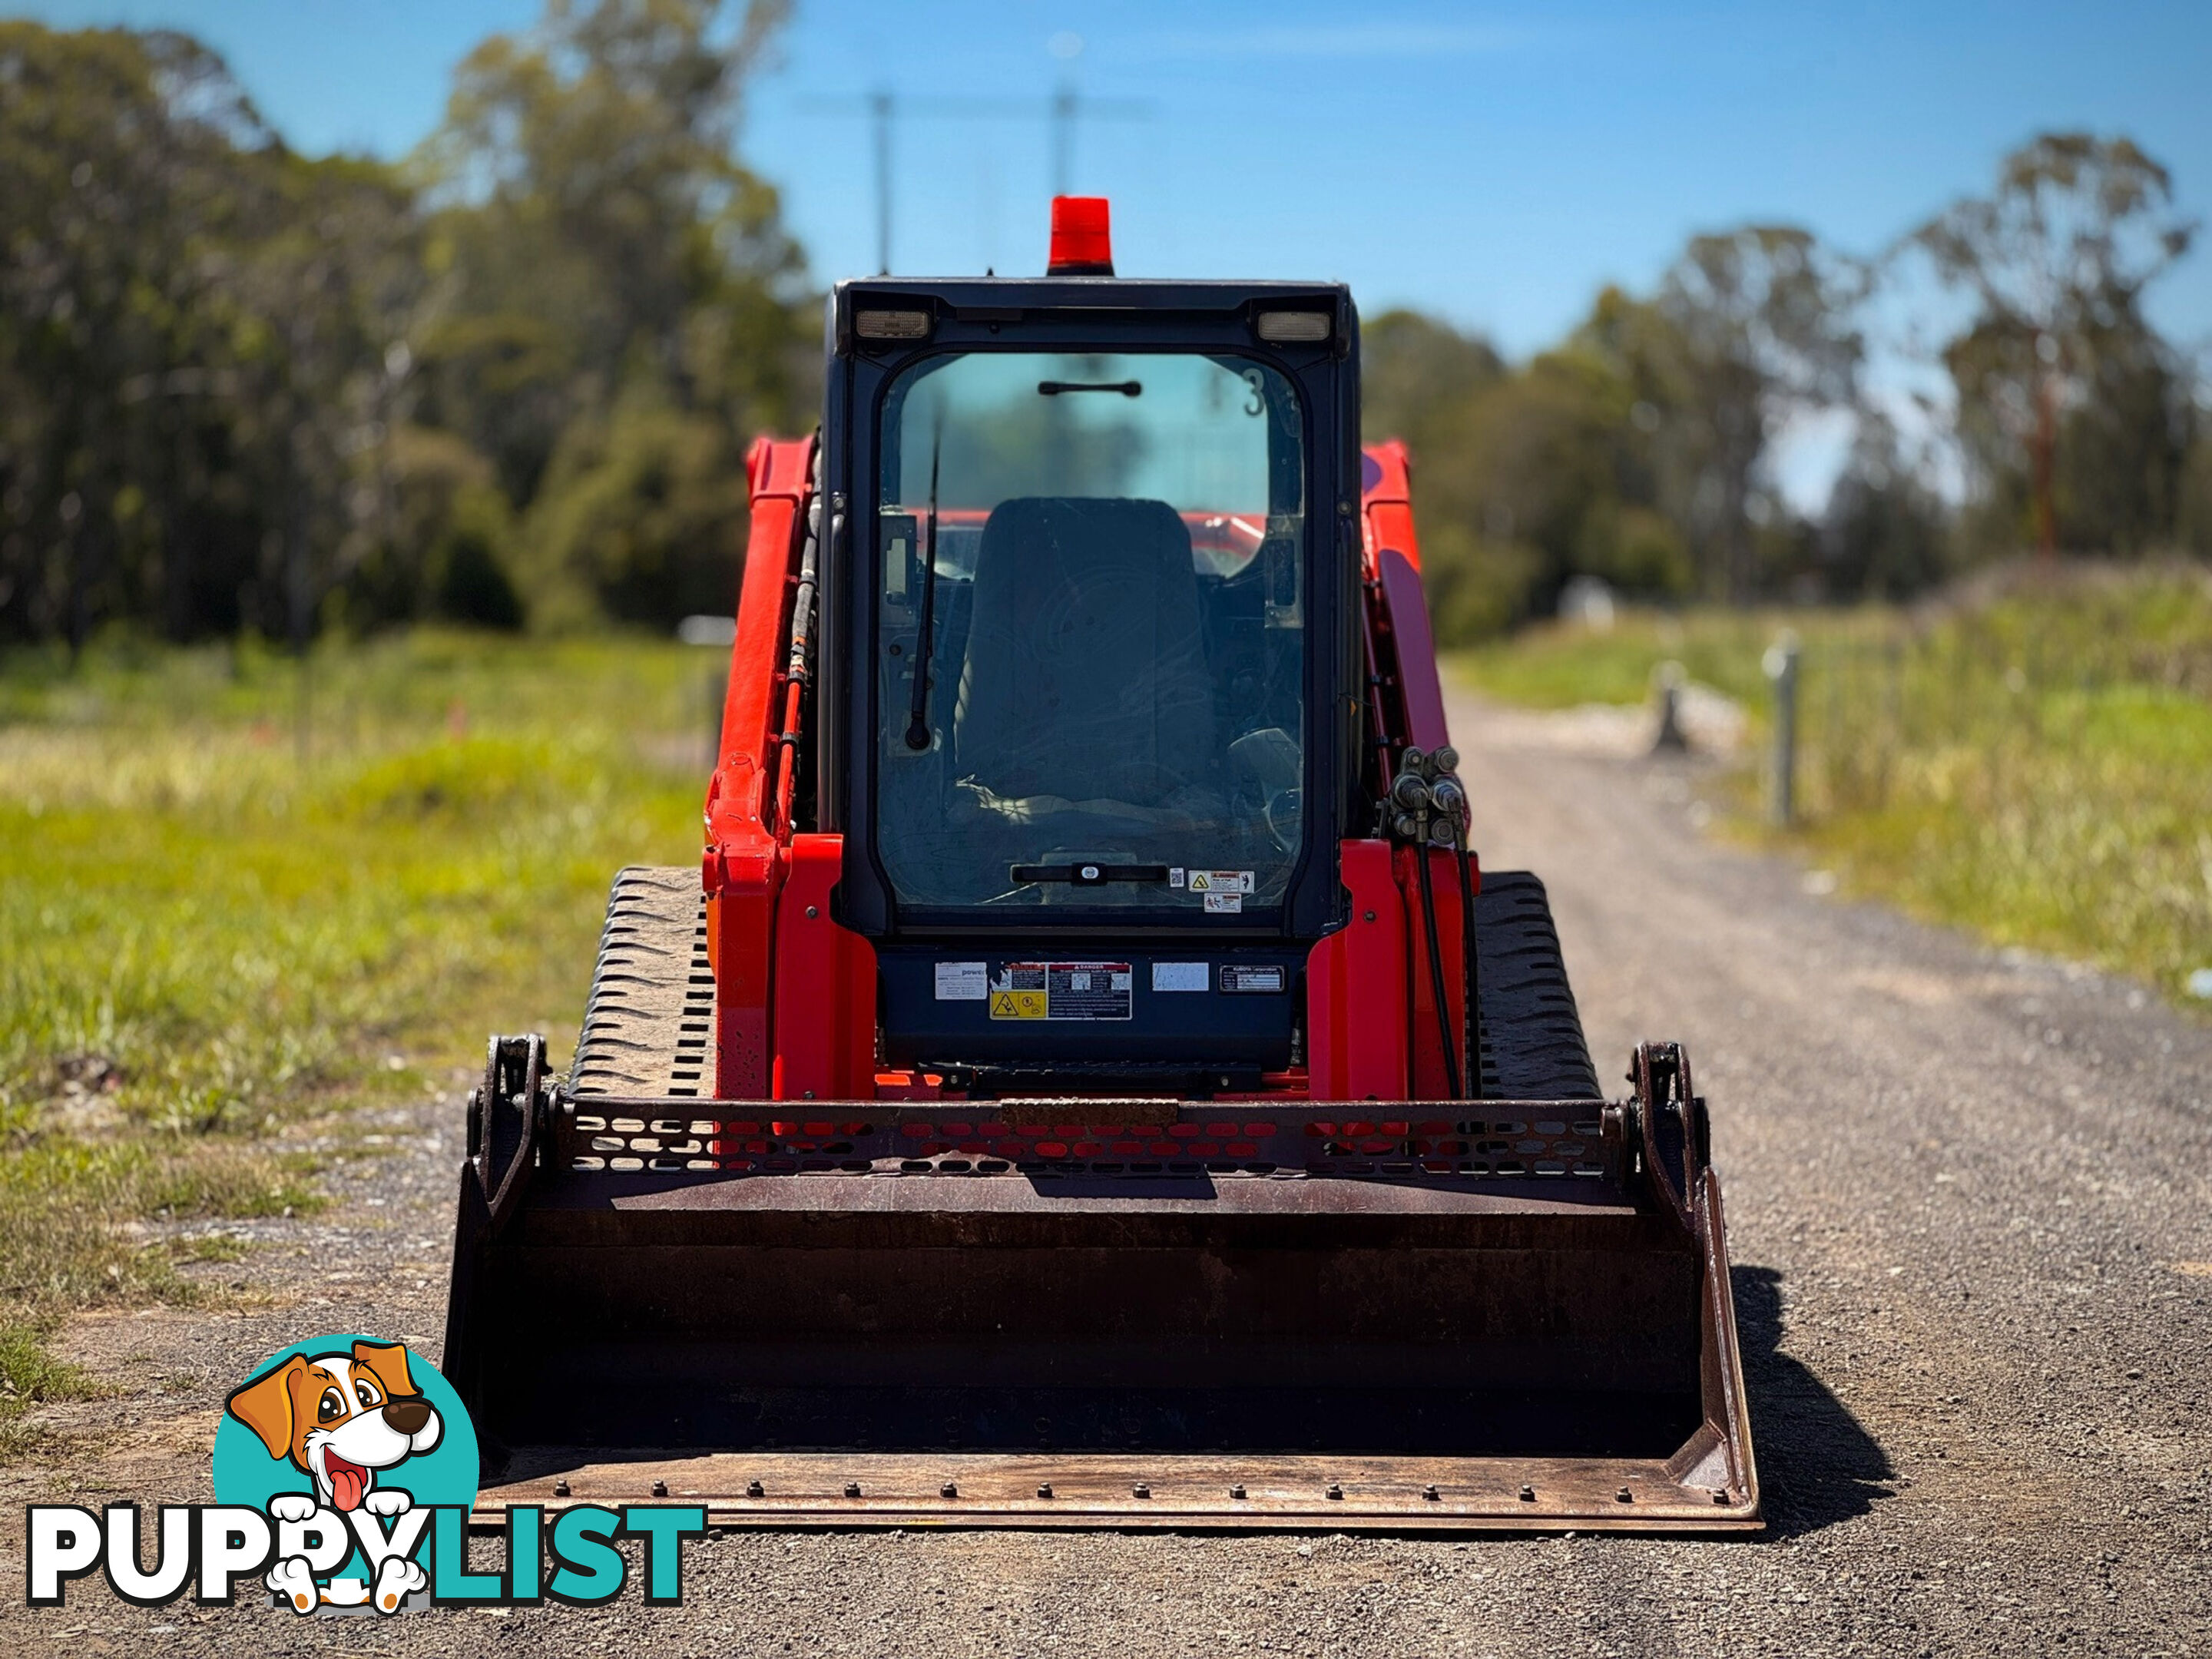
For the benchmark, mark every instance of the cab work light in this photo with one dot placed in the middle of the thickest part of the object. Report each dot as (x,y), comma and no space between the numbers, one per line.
(891,324)
(1286,326)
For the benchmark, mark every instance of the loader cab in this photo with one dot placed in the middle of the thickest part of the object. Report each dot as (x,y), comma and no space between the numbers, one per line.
(1091,740)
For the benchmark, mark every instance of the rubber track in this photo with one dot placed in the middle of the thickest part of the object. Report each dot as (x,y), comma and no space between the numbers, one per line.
(650,1020)
(1533,1047)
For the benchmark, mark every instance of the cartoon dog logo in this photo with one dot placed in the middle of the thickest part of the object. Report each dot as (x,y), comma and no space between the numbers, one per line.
(344,1419)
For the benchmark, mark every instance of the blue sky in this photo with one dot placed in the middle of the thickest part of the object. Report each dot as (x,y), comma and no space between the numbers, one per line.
(1496,165)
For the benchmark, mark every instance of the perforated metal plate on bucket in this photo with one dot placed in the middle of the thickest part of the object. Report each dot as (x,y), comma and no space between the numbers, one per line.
(1571,1139)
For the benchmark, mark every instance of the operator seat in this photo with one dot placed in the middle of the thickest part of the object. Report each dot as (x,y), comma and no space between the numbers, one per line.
(1086,676)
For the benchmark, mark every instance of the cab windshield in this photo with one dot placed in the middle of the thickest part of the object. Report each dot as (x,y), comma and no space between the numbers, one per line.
(1094,563)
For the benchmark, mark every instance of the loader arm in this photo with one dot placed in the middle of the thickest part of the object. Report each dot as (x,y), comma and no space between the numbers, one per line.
(747,852)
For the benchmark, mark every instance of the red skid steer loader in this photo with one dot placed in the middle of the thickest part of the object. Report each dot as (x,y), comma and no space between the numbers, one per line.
(1088,1081)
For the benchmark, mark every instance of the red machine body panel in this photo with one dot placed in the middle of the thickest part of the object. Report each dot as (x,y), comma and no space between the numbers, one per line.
(1357,1035)
(825,986)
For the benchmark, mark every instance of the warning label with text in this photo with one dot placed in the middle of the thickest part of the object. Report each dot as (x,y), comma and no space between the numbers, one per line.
(1061,990)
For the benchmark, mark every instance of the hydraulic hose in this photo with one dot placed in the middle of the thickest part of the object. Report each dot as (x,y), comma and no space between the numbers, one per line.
(1473,968)
(798,667)
(1437,972)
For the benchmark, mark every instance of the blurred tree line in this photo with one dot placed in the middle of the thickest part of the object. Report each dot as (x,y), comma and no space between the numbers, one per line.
(1641,448)
(511,377)
(515,374)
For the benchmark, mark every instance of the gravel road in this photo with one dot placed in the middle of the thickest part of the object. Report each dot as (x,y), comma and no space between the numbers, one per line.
(1969,1199)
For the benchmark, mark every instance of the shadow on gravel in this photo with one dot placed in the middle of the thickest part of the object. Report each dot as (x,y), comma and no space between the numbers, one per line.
(1816,1465)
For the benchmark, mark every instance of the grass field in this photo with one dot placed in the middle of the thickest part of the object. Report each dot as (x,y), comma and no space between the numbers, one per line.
(221,923)
(2032,759)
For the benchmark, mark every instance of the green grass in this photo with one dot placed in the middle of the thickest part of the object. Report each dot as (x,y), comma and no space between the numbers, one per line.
(2032,759)
(1564,665)
(212,933)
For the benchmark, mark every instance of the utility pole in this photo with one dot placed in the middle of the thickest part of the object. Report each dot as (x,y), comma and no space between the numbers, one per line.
(1070,106)
(885,110)
(1064,108)
(879,102)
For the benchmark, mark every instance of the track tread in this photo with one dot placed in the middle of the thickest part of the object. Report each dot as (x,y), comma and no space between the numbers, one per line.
(1533,1047)
(648,1025)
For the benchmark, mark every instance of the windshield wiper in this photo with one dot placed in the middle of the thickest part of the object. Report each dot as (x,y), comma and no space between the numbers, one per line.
(1086,875)
(917,725)
(1127,388)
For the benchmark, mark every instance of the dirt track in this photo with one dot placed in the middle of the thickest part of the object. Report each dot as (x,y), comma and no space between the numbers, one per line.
(1971,1208)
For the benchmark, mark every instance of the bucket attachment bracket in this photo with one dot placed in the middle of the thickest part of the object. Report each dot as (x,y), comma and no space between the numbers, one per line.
(508,1116)
(1671,1129)
(508,1113)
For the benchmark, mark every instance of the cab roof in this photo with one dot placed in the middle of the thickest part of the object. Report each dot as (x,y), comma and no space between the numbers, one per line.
(1005,300)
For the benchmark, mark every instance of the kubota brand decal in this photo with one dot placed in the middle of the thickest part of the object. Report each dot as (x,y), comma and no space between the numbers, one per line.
(1061,990)
(345,1468)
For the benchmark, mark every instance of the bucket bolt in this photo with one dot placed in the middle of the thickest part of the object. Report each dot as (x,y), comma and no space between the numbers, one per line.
(753,1489)
(1625,1496)
(1432,1494)
(852,1489)
(559,1488)
(660,1489)
(1044,1489)
(1527,1494)
(1335,1491)
(948,1490)
(1141,1490)
(1237,1491)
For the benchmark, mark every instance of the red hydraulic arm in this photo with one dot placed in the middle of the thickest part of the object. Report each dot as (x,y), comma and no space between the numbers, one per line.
(1373,1027)
(794,993)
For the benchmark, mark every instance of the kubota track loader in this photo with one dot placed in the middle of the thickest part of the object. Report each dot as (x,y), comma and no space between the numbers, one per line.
(1087,1081)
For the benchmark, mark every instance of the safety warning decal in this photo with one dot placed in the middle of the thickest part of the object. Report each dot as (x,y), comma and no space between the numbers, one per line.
(1061,990)
(1221,881)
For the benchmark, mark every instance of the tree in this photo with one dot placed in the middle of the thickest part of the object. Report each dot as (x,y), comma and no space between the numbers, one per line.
(117,184)
(240,388)
(2055,257)
(598,229)
(196,327)
(2193,506)
(1419,375)
(1751,325)
(1884,534)
(1525,476)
